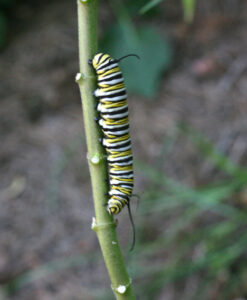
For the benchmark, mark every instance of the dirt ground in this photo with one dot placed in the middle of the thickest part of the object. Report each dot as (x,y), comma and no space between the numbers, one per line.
(45,194)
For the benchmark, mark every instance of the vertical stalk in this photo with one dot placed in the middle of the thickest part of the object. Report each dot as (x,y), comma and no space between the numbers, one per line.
(103,224)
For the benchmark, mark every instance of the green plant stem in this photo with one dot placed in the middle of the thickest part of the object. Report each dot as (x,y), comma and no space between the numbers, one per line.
(189,10)
(103,224)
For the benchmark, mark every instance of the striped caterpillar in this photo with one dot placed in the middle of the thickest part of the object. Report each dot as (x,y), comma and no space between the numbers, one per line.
(114,122)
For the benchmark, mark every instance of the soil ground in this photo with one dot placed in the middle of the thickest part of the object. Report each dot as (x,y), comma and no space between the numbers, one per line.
(45,194)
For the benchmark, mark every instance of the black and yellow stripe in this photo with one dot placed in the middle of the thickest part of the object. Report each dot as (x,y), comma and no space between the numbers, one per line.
(114,122)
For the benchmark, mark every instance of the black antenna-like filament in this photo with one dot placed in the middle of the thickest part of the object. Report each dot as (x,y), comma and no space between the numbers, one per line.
(133,228)
(127,56)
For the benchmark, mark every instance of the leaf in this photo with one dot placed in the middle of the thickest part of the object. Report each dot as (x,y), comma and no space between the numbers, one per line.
(216,156)
(149,6)
(141,76)
(135,6)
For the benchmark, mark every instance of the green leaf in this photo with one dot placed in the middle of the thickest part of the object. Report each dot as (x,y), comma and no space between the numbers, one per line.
(216,156)
(141,76)
(134,6)
(151,4)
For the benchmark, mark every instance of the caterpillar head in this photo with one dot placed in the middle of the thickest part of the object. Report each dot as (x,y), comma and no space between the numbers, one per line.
(98,59)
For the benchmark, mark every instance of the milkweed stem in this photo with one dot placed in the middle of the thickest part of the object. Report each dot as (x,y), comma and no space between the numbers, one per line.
(87,29)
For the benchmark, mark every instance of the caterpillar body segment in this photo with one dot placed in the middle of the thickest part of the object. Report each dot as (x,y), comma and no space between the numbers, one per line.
(114,122)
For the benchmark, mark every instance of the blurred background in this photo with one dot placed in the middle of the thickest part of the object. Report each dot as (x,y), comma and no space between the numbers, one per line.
(187,98)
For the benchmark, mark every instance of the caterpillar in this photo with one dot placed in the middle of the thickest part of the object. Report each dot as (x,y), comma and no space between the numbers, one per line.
(114,122)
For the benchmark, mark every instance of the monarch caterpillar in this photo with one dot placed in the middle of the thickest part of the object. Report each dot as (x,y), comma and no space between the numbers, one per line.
(114,122)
